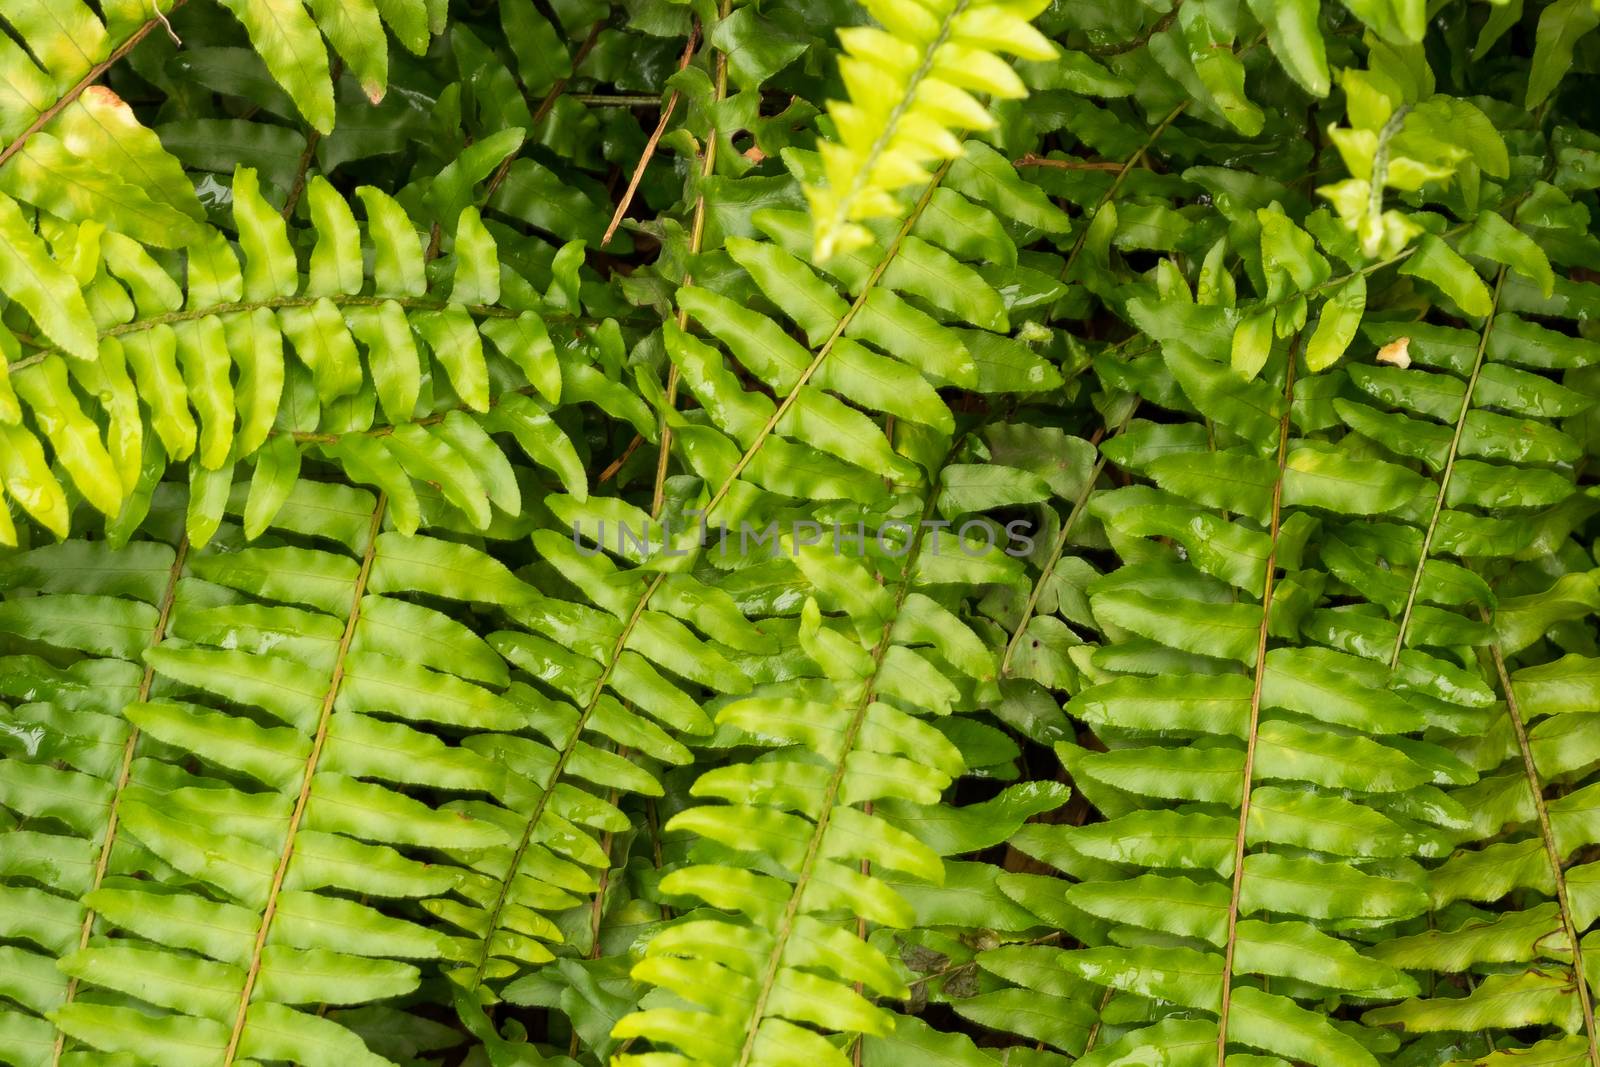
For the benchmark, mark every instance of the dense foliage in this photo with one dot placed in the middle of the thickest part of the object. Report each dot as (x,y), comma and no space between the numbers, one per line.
(950,532)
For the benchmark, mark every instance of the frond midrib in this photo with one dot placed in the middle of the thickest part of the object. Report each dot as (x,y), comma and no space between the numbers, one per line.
(830,794)
(1552,852)
(124,773)
(1446,473)
(1275,528)
(269,911)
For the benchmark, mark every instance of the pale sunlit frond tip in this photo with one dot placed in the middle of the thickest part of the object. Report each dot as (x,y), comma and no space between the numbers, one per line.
(911,84)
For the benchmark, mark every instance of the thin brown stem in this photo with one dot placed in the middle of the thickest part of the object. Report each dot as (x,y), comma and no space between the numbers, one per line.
(615,465)
(1070,522)
(1031,160)
(650,146)
(554,777)
(299,187)
(1123,170)
(313,138)
(1274,528)
(697,232)
(827,346)
(560,84)
(598,907)
(861,935)
(1123,47)
(545,106)
(1094,1031)
(661,460)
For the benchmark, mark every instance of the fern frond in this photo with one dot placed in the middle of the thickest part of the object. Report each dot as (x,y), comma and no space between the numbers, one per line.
(1258,801)
(1247,715)
(759,455)
(1505,491)
(612,670)
(1153,864)
(304,693)
(286,35)
(1081,554)
(208,353)
(911,83)
(842,743)
(69,754)
(74,148)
